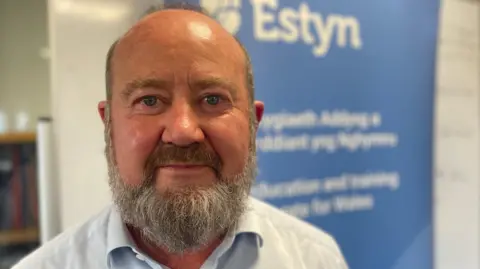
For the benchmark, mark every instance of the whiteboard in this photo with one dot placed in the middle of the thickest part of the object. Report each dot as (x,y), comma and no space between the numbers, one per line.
(457,160)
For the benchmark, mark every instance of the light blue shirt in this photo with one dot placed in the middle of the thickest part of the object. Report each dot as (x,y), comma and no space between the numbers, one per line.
(267,238)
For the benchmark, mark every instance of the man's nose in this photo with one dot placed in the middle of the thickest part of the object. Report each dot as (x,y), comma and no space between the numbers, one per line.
(182,126)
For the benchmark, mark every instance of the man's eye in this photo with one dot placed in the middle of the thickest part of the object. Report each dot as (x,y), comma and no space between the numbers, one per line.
(149,100)
(212,100)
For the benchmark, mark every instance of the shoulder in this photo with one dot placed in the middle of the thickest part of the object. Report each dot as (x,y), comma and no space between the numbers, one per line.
(283,222)
(77,247)
(281,230)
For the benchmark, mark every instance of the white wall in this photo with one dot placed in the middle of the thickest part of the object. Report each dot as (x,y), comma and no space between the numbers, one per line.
(24,77)
(457,193)
(79,42)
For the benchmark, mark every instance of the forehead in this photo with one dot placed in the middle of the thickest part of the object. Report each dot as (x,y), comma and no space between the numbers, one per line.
(176,43)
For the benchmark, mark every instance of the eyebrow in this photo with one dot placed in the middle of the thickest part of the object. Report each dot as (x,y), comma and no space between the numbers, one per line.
(160,84)
(133,85)
(217,82)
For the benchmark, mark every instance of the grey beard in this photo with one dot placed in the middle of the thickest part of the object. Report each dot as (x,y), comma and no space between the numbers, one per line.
(181,219)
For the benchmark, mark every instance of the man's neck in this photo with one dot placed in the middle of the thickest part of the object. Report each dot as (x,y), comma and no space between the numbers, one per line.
(188,260)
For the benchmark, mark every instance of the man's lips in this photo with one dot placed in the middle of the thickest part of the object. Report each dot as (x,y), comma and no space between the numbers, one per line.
(182,166)
(185,168)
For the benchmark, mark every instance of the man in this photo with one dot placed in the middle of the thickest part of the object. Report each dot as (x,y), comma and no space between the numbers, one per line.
(180,125)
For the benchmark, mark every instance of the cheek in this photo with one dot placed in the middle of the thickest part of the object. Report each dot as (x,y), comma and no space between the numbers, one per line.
(231,140)
(133,140)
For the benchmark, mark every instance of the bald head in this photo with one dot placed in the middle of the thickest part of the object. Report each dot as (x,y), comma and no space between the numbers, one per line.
(176,30)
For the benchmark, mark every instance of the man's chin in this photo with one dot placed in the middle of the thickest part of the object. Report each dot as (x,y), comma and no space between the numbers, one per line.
(182,188)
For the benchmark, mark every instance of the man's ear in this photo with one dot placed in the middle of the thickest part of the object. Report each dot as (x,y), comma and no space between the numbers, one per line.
(259,108)
(102,105)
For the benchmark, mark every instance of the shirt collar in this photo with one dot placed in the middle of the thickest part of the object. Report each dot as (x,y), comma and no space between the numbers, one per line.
(118,235)
(249,223)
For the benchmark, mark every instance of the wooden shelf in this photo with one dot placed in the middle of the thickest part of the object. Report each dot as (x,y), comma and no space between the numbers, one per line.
(19,236)
(17,138)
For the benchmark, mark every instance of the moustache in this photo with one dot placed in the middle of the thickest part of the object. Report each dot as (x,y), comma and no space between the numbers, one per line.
(195,154)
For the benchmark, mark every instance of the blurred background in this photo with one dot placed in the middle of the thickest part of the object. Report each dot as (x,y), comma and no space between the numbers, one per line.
(24,96)
(52,168)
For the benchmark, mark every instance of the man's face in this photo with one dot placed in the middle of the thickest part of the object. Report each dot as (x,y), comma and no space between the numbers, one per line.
(180,130)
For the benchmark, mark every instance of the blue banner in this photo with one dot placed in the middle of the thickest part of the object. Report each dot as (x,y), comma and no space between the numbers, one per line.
(346,140)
